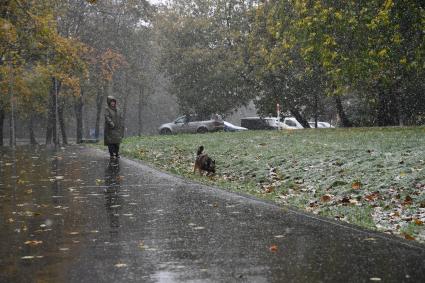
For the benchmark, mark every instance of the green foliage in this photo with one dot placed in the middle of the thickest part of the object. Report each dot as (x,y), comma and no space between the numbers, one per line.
(371,48)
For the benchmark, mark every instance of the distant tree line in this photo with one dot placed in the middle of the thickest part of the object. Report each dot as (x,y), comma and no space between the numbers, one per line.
(360,59)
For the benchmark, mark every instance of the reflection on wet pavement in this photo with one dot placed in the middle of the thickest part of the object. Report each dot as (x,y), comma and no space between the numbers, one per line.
(72,215)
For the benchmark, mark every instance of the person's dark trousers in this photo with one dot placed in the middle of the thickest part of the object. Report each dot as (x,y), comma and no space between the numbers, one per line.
(114,149)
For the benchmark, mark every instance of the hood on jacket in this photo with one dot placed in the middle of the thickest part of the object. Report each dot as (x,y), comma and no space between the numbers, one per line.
(109,99)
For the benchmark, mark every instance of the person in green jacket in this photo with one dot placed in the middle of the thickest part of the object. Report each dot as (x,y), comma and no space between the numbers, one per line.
(114,127)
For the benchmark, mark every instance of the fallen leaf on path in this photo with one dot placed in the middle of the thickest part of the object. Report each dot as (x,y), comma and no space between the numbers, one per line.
(369,239)
(273,248)
(409,237)
(33,243)
(141,245)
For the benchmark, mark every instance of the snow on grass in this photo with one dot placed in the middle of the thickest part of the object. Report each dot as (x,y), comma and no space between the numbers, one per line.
(374,178)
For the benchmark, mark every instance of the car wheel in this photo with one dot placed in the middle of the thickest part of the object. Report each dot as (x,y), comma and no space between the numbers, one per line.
(202,130)
(165,131)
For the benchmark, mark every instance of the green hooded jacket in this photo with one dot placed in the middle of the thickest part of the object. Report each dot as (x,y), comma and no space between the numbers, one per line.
(114,124)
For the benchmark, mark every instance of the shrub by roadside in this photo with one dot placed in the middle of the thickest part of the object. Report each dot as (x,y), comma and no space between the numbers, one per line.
(373,178)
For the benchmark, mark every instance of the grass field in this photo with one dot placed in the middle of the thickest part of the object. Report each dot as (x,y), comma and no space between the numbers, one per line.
(371,177)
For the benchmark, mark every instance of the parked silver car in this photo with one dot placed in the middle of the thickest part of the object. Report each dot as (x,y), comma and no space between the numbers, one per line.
(192,124)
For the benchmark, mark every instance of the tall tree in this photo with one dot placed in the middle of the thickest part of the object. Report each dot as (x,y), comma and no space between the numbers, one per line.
(201,43)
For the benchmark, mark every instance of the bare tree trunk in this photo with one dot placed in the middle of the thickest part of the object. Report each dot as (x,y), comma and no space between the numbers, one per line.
(33,141)
(51,116)
(125,97)
(139,111)
(300,118)
(12,131)
(62,124)
(78,106)
(1,125)
(316,102)
(344,120)
(387,110)
(50,122)
(99,103)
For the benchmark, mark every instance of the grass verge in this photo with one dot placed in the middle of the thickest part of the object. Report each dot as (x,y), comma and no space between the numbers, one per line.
(371,177)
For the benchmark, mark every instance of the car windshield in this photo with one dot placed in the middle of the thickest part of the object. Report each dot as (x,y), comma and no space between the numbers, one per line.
(290,123)
(180,119)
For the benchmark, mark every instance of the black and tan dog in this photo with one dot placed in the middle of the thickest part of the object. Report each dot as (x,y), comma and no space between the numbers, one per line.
(204,163)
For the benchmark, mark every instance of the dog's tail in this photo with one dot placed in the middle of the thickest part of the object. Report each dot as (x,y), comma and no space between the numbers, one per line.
(200,150)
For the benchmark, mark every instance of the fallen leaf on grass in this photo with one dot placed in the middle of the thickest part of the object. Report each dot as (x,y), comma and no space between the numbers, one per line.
(356,185)
(269,190)
(408,200)
(373,196)
(345,200)
(313,204)
(419,222)
(326,198)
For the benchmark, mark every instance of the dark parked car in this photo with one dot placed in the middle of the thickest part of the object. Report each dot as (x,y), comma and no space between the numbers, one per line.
(259,123)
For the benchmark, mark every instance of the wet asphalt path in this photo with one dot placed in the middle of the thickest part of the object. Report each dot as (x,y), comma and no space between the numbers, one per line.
(70,215)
